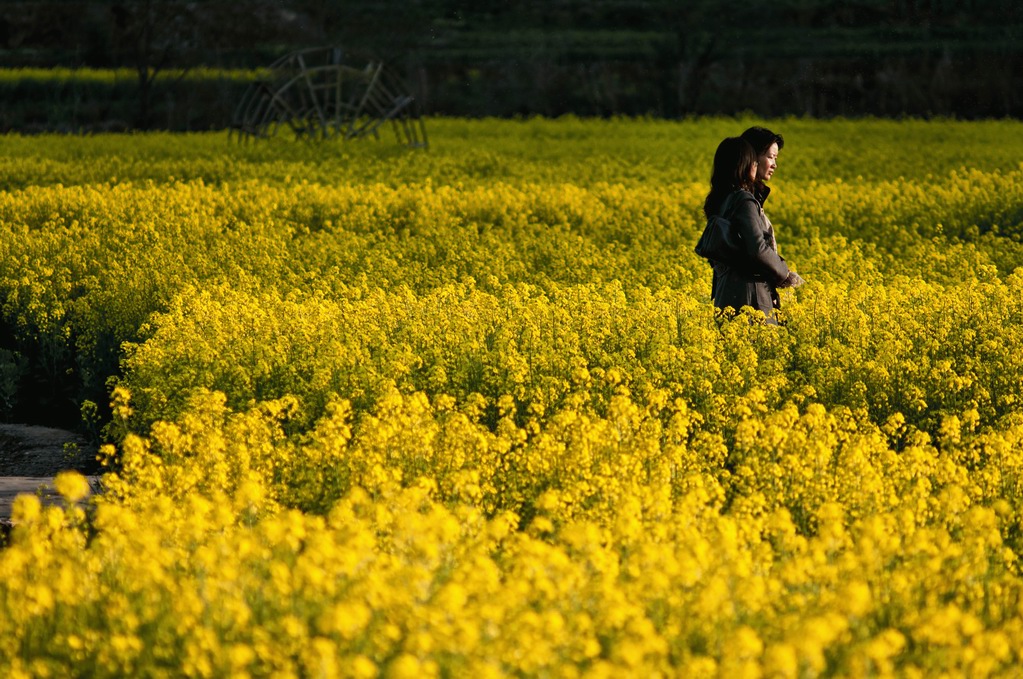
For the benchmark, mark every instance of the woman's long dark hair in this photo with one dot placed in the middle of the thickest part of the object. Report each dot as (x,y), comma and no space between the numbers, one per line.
(761,138)
(733,164)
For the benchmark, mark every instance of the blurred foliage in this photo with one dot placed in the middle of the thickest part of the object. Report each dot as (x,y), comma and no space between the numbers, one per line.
(660,57)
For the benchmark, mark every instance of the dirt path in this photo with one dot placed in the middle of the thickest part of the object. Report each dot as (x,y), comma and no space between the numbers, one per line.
(30,456)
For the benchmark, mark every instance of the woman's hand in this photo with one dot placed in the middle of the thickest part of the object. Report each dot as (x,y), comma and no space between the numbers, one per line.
(793,280)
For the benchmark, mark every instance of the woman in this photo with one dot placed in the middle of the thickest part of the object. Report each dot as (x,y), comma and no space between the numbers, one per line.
(737,180)
(766,144)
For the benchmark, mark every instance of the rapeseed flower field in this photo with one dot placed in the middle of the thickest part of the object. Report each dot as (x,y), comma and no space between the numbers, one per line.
(468,412)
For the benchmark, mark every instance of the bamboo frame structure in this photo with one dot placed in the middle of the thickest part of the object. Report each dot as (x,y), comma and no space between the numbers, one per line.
(319,96)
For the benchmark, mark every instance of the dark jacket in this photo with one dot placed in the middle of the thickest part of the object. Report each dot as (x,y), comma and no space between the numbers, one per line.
(753,282)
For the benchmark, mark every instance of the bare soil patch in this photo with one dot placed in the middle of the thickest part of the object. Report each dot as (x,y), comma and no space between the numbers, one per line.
(30,456)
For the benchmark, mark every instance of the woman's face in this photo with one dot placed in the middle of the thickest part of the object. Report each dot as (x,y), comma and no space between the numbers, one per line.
(767,163)
(753,171)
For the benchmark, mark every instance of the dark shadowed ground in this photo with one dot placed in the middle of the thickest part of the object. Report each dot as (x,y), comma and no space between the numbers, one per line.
(30,456)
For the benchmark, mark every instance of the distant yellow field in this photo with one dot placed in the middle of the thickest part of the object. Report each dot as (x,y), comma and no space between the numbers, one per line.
(466,412)
(121,75)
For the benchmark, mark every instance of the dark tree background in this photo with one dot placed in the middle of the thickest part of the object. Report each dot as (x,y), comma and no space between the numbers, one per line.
(668,58)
